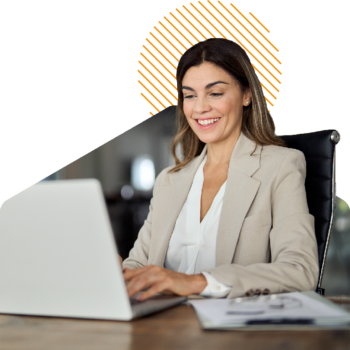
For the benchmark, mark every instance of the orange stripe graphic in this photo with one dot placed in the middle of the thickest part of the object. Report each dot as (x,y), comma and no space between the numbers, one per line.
(155,87)
(170,73)
(247,20)
(251,54)
(199,22)
(208,20)
(183,25)
(149,102)
(261,23)
(156,79)
(270,103)
(249,32)
(178,30)
(269,92)
(238,31)
(261,73)
(159,42)
(160,53)
(156,69)
(167,42)
(151,93)
(173,35)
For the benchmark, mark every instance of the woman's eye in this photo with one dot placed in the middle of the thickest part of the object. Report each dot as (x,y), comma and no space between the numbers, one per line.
(216,94)
(188,97)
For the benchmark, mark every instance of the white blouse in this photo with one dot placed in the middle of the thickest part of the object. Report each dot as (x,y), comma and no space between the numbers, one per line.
(192,247)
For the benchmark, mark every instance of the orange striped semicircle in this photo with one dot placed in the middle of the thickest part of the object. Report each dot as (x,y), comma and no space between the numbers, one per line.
(187,25)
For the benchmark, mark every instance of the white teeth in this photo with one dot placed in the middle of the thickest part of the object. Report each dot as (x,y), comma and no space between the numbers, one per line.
(207,121)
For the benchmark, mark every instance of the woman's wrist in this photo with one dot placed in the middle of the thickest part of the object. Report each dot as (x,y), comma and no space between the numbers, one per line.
(198,283)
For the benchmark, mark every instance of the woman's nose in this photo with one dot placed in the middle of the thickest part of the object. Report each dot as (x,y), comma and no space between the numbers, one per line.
(201,105)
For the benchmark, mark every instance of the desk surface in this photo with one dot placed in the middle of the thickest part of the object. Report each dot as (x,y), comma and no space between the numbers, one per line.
(176,328)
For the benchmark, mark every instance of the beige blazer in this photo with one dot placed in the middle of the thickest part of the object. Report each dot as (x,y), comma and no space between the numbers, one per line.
(266,237)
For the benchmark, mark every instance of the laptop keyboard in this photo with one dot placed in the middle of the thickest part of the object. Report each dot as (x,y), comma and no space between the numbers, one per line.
(134,301)
(155,299)
(153,304)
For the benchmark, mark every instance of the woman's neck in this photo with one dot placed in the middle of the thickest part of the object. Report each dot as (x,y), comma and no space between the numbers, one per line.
(219,154)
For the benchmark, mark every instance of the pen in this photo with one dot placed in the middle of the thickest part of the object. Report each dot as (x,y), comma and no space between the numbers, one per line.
(281,321)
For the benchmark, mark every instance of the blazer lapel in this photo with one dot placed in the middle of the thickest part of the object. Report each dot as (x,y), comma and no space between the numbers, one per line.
(176,193)
(240,192)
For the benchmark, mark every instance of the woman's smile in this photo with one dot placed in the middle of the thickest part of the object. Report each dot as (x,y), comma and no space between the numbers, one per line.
(207,123)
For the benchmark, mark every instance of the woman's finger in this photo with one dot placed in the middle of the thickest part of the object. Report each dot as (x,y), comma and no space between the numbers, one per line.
(155,289)
(150,276)
(129,274)
(142,281)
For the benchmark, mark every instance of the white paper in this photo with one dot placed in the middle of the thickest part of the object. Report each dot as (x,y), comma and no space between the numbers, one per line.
(305,307)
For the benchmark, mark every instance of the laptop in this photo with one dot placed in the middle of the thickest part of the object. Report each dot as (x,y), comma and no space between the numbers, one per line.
(58,256)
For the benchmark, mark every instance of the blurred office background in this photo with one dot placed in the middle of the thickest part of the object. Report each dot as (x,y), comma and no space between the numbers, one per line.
(127,167)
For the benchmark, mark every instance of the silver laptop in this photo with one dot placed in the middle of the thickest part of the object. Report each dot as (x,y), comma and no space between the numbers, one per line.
(58,256)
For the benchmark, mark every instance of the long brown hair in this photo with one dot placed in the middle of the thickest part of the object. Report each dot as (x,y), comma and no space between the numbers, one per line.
(257,123)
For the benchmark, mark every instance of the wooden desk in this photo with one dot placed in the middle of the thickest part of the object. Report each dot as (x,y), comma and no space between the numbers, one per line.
(176,328)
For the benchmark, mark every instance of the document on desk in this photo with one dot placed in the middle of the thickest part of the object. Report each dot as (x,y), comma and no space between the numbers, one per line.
(279,311)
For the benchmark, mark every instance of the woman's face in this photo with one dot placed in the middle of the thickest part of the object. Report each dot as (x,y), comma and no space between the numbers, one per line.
(213,103)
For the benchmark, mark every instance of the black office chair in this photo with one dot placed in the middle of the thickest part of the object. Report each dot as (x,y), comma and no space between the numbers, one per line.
(319,150)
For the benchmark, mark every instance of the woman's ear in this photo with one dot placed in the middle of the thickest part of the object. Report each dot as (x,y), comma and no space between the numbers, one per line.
(247,97)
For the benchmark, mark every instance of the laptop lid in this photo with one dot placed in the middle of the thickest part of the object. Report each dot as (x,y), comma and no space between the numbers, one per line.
(58,256)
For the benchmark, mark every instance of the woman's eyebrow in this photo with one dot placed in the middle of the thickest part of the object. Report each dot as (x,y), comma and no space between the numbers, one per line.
(207,87)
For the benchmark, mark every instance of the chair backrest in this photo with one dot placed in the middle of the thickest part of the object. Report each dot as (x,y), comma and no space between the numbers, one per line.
(319,150)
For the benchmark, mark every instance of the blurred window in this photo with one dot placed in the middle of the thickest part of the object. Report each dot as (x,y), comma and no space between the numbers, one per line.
(143,173)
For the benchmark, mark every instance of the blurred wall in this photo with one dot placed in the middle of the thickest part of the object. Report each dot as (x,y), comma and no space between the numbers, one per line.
(111,163)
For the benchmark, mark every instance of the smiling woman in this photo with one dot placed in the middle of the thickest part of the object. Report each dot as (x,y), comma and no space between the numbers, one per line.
(229,65)
(231,217)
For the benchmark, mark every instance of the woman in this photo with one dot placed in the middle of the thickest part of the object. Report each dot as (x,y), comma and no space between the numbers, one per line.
(231,216)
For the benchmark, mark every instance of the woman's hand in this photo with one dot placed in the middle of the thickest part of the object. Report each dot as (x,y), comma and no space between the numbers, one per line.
(160,280)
